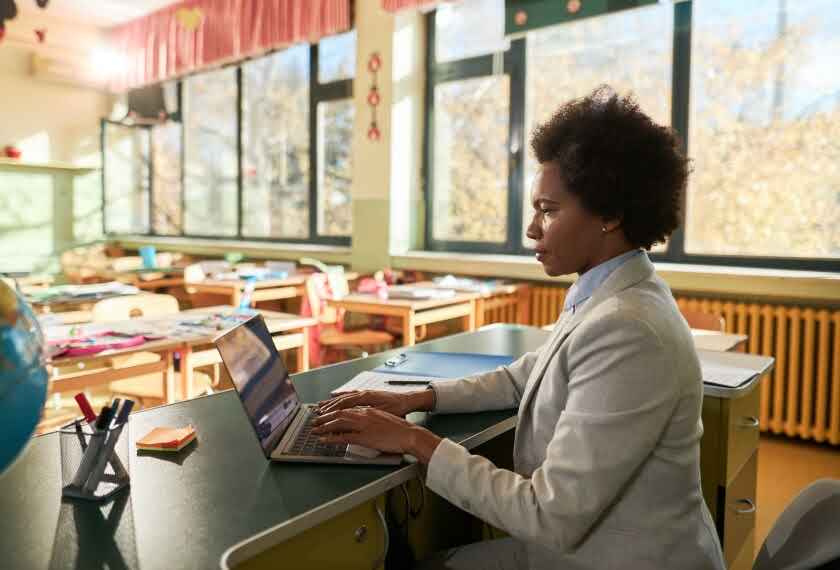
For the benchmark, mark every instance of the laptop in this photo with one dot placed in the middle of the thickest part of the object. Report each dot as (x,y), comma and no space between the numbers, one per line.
(281,423)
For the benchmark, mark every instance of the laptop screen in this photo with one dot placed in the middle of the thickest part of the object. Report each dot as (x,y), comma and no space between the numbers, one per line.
(260,378)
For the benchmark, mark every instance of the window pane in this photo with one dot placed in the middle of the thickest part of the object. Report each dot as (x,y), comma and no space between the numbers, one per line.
(337,57)
(126,179)
(469,28)
(275,142)
(471,159)
(26,216)
(764,126)
(335,167)
(210,155)
(166,185)
(629,50)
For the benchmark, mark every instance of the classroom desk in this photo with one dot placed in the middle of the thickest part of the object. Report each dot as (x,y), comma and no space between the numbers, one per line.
(191,347)
(709,340)
(186,510)
(413,312)
(497,302)
(232,290)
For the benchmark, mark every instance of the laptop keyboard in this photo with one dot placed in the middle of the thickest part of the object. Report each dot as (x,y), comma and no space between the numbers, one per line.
(307,443)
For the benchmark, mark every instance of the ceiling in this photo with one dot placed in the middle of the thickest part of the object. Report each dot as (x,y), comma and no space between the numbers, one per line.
(100,13)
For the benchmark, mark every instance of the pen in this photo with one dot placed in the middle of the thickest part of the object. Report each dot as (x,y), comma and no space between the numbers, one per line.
(85,406)
(108,448)
(408,382)
(92,451)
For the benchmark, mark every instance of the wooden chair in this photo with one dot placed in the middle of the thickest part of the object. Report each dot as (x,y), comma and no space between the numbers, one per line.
(134,306)
(329,334)
(148,389)
(704,321)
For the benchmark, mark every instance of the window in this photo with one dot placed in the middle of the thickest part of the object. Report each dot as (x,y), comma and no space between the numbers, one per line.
(126,178)
(260,151)
(749,87)
(337,57)
(210,153)
(764,129)
(631,51)
(470,167)
(167,217)
(470,158)
(335,167)
(275,145)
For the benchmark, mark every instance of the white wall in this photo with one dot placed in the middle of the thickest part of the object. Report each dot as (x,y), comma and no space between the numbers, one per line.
(48,121)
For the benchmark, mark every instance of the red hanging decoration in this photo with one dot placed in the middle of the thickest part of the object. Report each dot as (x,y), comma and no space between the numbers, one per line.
(374,64)
(2,32)
(41,34)
(573,6)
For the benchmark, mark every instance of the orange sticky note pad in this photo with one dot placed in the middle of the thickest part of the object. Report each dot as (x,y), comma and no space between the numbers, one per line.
(167,438)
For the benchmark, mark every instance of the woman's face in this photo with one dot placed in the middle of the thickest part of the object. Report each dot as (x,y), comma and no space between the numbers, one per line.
(568,238)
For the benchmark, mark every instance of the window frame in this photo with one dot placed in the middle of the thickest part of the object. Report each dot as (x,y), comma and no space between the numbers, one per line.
(340,89)
(515,65)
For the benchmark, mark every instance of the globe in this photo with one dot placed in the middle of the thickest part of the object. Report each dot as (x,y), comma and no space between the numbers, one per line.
(23,376)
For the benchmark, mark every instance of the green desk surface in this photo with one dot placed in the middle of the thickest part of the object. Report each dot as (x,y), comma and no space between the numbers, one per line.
(184,511)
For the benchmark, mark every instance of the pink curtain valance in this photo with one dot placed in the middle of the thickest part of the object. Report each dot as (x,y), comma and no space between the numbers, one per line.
(193,34)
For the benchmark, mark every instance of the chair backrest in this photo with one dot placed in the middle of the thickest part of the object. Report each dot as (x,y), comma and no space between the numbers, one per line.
(806,533)
(134,306)
(319,288)
(705,321)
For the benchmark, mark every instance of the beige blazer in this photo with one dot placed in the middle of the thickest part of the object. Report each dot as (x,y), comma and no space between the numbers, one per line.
(607,450)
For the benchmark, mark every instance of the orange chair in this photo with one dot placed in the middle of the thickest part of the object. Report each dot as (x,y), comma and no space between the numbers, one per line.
(704,321)
(329,335)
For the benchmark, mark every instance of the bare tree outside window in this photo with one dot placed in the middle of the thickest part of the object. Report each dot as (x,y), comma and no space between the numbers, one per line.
(166,183)
(335,167)
(126,179)
(275,137)
(628,50)
(764,129)
(471,120)
(210,157)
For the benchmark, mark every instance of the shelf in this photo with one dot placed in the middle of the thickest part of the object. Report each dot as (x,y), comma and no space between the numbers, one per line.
(16,164)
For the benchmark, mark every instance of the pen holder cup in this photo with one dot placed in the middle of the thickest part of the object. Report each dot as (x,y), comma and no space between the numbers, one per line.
(82,451)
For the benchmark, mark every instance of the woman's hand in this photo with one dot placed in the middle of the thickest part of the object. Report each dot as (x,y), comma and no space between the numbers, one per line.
(393,403)
(376,429)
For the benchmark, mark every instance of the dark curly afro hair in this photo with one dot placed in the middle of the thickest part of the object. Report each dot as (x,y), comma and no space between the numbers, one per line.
(618,162)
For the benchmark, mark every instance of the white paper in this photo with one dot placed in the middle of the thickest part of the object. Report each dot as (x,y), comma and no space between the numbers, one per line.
(370,380)
(732,369)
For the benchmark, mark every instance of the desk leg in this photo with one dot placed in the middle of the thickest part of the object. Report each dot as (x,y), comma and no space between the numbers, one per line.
(409,328)
(187,388)
(235,297)
(169,378)
(303,351)
(470,320)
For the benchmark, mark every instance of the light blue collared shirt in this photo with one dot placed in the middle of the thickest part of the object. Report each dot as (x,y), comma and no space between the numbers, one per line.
(592,279)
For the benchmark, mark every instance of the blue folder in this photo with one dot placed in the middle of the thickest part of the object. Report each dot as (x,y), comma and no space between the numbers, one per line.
(446,364)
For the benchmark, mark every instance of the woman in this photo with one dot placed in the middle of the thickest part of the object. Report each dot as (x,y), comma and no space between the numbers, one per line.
(608,437)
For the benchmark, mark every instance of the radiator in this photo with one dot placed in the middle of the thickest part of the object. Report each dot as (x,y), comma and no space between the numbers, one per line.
(801,398)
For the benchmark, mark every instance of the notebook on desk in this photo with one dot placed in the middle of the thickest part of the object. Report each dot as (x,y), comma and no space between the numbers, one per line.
(280,421)
(414,370)
(732,369)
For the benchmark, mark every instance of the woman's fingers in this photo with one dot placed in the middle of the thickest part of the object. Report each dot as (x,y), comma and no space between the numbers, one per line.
(342,420)
(342,402)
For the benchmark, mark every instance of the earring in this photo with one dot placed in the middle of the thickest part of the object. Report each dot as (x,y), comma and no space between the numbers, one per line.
(603,229)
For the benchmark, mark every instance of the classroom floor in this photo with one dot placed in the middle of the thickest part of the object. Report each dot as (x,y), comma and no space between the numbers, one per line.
(785,467)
